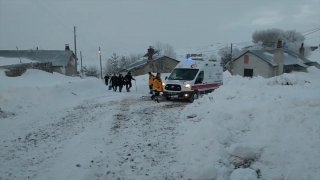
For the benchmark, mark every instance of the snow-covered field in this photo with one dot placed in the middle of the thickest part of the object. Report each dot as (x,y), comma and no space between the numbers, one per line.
(58,127)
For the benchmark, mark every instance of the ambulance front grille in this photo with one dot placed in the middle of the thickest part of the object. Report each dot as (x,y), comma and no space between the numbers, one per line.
(172,87)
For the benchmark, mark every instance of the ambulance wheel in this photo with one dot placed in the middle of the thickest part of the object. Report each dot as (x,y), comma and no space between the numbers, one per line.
(194,96)
(191,99)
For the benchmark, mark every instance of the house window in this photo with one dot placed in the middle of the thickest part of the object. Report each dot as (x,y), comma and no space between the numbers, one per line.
(246,59)
(248,73)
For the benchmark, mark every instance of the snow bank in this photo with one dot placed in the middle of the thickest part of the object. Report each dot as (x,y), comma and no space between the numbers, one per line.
(36,87)
(9,61)
(254,123)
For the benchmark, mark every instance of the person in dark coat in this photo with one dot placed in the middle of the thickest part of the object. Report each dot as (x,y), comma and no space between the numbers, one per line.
(106,79)
(114,82)
(128,78)
(121,82)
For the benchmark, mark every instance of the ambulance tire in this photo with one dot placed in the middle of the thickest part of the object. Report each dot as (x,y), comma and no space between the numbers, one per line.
(194,96)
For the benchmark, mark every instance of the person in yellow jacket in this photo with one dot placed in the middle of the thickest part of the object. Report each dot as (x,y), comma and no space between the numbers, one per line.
(157,87)
(151,79)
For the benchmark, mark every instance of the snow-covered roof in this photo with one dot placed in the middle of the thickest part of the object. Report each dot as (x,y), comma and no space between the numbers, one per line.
(315,55)
(289,58)
(58,58)
(142,62)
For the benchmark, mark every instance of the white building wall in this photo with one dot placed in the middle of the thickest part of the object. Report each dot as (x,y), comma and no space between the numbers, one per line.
(260,67)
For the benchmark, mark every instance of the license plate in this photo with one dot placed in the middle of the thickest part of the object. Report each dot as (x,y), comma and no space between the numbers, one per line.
(174,96)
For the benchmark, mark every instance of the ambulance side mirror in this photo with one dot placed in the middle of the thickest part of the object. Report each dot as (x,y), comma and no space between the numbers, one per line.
(166,78)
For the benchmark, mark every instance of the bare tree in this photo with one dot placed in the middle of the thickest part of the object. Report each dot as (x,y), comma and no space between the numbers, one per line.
(133,58)
(213,57)
(225,55)
(165,50)
(269,38)
(122,62)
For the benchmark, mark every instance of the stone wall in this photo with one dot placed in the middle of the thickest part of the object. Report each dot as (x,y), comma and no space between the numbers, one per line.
(18,69)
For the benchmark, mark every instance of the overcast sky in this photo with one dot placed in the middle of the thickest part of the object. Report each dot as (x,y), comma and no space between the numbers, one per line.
(130,26)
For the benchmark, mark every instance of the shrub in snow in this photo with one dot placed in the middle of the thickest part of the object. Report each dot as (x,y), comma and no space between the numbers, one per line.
(243,174)
(91,71)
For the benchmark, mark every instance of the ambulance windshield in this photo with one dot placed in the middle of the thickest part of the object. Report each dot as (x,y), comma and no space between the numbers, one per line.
(183,74)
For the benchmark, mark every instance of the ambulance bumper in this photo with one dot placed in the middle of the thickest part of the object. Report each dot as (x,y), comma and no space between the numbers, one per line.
(177,94)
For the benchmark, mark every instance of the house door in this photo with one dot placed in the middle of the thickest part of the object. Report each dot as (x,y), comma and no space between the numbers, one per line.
(248,73)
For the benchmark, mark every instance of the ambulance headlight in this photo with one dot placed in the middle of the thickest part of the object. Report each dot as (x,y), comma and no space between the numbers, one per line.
(163,84)
(186,85)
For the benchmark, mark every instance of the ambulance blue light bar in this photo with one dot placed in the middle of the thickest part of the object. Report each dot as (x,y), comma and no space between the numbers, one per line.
(189,59)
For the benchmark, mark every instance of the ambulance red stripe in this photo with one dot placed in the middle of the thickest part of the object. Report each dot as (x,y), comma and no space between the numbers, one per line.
(206,86)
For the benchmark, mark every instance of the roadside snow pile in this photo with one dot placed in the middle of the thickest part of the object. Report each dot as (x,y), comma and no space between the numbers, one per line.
(257,126)
(36,87)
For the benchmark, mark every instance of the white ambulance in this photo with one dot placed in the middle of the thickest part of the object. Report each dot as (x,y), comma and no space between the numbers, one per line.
(191,77)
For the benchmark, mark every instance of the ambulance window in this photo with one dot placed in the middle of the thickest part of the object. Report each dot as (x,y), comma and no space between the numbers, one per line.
(200,77)
(183,74)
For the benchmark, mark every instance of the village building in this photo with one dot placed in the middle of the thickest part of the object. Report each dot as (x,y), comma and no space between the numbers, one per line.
(63,61)
(269,63)
(151,62)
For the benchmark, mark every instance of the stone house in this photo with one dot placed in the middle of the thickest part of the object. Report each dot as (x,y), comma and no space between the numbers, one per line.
(151,62)
(269,63)
(162,64)
(63,61)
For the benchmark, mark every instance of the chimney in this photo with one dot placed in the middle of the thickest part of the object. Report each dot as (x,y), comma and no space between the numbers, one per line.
(301,52)
(150,53)
(278,58)
(67,48)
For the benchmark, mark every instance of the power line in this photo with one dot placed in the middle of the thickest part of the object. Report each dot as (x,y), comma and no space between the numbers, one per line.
(47,11)
(310,30)
(313,37)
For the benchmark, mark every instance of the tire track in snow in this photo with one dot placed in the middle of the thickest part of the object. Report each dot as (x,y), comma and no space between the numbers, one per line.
(141,142)
(28,153)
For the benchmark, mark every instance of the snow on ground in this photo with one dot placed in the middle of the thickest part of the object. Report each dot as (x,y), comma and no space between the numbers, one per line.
(58,127)
(9,61)
(257,124)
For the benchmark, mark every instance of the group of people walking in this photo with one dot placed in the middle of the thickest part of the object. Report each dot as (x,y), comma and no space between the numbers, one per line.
(119,81)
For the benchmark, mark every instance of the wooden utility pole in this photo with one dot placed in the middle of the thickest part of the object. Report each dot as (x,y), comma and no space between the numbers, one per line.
(231,63)
(81,63)
(18,54)
(75,48)
(100,63)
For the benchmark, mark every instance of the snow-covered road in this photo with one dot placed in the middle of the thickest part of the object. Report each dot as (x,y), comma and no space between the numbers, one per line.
(99,138)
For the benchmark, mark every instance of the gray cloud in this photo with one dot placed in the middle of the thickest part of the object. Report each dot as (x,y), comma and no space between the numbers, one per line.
(130,26)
